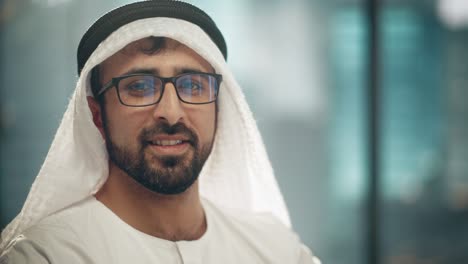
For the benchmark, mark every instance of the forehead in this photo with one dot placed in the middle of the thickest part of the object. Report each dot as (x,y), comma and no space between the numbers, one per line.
(158,54)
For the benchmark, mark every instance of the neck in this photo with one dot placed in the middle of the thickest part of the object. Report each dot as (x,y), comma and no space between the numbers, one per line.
(170,217)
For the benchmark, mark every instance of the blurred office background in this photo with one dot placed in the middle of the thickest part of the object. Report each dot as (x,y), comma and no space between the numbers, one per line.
(304,66)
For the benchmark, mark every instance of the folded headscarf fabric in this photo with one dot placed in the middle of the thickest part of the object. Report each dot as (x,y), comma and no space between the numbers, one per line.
(238,173)
(118,17)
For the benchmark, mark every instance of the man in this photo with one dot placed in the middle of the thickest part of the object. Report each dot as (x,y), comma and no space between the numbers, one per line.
(149,164)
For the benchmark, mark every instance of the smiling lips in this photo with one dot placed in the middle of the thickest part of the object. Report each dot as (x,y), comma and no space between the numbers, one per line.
(166,142)
(170,146)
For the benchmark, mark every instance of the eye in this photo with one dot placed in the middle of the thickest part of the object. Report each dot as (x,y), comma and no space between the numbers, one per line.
(189,84)
(139,87)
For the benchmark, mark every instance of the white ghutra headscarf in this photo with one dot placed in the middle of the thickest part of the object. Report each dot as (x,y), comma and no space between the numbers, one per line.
(237,174)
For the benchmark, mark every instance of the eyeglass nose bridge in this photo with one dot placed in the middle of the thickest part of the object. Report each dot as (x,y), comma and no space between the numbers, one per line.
(164,81)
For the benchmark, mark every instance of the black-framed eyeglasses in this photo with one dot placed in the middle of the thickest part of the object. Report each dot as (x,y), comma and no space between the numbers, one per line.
(147,89)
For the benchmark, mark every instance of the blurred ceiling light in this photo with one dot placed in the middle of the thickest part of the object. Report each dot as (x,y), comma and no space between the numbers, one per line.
(454,13)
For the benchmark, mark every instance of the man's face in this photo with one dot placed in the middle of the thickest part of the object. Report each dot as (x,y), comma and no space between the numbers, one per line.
(162,146)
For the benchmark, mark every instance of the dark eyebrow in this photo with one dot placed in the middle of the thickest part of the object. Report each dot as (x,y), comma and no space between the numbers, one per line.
(155,71)
(141,71)
(188,70)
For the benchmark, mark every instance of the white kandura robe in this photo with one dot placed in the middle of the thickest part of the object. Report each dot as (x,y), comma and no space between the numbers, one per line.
(90,233)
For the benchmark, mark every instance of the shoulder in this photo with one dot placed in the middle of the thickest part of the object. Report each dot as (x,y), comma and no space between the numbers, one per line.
(53,240)
(262,225)
(22,250)
(265,233)
(66,224)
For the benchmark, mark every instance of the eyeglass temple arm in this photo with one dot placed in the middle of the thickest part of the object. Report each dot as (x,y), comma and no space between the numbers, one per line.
(105,87)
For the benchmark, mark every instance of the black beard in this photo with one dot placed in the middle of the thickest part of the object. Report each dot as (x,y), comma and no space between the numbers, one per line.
(174,175)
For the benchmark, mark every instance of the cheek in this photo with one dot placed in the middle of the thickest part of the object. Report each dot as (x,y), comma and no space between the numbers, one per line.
(206,124)
(122,122)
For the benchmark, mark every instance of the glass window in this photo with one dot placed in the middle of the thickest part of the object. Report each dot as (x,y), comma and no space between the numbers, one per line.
(424,135)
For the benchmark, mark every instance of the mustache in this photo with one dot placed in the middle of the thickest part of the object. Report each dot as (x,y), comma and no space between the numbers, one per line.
(163,128)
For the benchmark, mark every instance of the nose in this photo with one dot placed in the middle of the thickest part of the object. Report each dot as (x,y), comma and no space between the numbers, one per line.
(169,108)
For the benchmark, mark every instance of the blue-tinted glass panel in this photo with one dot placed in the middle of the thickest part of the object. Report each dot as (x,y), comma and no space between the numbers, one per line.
(424,136)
